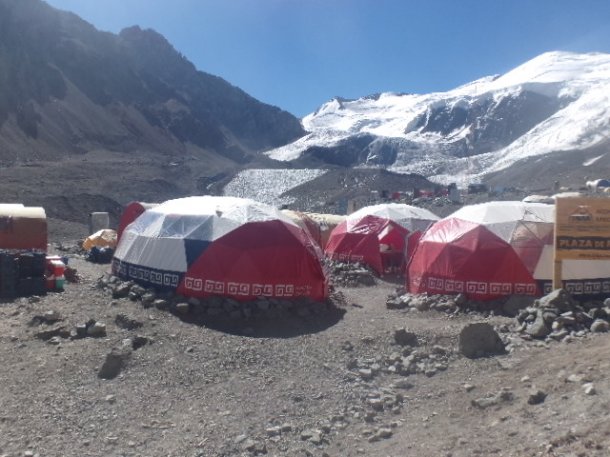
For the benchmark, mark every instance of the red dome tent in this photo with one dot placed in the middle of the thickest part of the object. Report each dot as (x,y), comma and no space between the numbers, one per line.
(485,251)
(204,246)
(379,236)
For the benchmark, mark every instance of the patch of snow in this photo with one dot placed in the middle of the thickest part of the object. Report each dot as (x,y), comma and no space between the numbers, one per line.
(268,185)
(588,163)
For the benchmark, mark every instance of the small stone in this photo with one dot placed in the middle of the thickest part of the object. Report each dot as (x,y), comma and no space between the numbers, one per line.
(536,396)
(121,290)
(395,303)
(81,330)
(384,432)
(54,341)
(249,445)
(525,379)
(503,396)
(286,428)
(240,439)
(110,398)
(273,431)
(55,331)
(347,346)
(182,308)
(599,326)
(139,341)
(468,387)
(574,378)
(316,437)
(559,335)
(366,373)
(589,388)
(128,323)
(96,330)
(538,328)
(148,299)
(115,361)
(51,316)
(160,304)
(420,303)
(402,384)
(376,404)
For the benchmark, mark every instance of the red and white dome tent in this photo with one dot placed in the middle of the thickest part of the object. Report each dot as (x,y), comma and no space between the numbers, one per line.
(381,236)
(484,251)
(205,246)
(497,249)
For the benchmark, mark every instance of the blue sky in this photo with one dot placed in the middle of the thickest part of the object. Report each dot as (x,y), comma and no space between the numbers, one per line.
(297,54)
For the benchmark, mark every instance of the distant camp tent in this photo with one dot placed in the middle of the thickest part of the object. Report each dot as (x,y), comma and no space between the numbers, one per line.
(205,246)
(305,222)
(131,213)
(319,225)
(381,236)
(23,228)
(326,224)
(484,251)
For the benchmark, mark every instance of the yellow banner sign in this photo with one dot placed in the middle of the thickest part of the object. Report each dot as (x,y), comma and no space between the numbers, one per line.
(582,228)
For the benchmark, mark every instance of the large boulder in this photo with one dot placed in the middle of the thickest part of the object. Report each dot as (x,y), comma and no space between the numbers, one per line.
(480,340)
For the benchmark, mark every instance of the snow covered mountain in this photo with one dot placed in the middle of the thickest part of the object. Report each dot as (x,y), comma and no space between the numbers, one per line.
(558,101)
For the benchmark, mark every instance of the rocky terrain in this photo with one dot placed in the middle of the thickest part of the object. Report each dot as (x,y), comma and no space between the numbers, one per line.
(106,368)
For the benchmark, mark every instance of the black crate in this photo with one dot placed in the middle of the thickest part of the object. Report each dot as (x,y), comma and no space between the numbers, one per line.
(8,263)
(39,265)
(31,286)
(32,265)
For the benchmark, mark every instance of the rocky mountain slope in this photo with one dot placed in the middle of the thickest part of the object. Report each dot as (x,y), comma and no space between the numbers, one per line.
(556,102)
(67,88)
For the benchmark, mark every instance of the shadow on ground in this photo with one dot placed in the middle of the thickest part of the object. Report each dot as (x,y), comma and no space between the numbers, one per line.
(277,324)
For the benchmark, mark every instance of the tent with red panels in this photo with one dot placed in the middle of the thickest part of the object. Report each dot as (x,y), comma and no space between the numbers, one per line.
(485,251)
(380,236)
(226,246)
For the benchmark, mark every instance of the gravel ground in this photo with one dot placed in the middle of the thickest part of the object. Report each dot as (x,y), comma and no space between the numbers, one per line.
(305,386)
